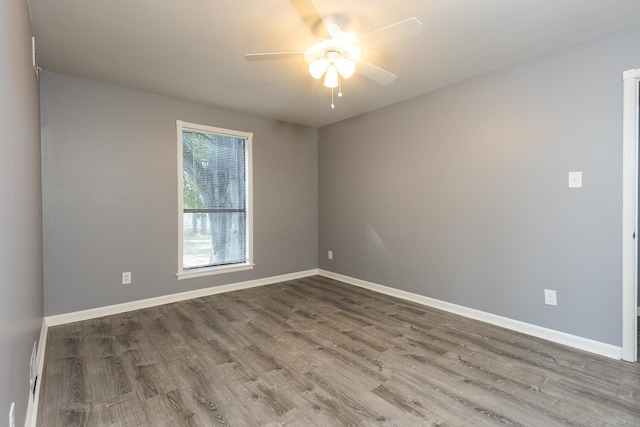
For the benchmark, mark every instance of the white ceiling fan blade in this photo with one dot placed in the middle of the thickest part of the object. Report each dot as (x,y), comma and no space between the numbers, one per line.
(271,55)
(375,73)
(311,17)
(398,31)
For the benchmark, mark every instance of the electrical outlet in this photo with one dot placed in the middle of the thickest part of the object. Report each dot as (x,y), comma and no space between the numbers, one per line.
(126,278)
(550,297)
(12,415)
(330,254)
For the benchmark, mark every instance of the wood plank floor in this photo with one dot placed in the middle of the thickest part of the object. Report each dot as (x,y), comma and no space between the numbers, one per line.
(319,352)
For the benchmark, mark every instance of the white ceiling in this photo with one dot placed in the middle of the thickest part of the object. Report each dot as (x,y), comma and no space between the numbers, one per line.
(193,49)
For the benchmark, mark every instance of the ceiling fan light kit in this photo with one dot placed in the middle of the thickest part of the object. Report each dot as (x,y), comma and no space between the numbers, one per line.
(330,57)
(338,56)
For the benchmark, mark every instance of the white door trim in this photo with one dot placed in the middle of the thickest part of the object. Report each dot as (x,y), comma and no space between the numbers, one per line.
(631,79)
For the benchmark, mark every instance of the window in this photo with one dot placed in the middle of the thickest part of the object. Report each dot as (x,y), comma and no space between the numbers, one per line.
(214,200)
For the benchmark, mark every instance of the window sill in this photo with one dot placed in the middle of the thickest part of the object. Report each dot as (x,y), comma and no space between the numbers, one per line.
(210,271)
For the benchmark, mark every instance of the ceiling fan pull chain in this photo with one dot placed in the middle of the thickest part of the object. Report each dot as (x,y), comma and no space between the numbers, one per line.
(332,104)
(339,86)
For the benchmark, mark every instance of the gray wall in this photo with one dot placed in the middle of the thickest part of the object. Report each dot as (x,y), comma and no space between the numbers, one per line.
(21,213)
(110,193)
(461,194)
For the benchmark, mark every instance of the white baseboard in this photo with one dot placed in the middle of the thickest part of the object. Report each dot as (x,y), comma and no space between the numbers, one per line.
(32,406)
(574,341)
(76,316)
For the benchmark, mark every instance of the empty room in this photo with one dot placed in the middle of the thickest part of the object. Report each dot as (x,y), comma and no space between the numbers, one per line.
(319,213)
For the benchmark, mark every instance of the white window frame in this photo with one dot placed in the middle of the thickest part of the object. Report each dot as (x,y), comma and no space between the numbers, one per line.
(208,271)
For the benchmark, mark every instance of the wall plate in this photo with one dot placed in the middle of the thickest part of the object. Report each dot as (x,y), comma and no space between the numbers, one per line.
(575,179)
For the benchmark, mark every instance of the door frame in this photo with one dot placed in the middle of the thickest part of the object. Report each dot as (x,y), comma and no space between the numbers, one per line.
(631,110)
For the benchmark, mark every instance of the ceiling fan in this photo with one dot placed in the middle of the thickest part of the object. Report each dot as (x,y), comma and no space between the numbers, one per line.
(336,54)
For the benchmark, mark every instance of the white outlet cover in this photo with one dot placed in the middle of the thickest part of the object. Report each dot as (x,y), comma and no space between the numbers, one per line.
(550,297)
(575,179)
(126,278)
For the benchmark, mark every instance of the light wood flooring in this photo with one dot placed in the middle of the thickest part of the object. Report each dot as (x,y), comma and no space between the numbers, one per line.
(316,352)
